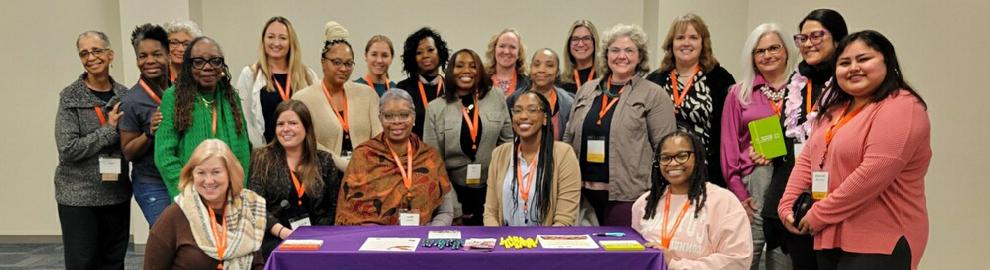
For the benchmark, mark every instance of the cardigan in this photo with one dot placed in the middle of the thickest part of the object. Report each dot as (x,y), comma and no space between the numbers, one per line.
(249,87)
(172,149)
(442,131)
(81,140)
(171,245)
(362,117)
(565,187)
(876,179)
(735,137)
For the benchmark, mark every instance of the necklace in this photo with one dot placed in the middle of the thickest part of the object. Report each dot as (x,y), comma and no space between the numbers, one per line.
(207,103)
(773,94)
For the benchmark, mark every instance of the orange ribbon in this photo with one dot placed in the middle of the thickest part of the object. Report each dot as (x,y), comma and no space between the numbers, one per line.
(524,181)
(284,92)
(577,78)
(665,236)
(220,235)
(472,123)
(679,95)
(343,106)
(151,93)
(605,108)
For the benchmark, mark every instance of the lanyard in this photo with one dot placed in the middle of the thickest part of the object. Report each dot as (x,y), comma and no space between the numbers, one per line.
(680,94)
(171,74)
(214,114)
(343,105)
(523,181)
(300,189)
(367,79)
(836,125)
(807,103)
(512,84)
(553,101)
(220,235)
(151,93)
(666,236)
(422,91)
(606,105)
(776,105)
(472,123)
(284,92)
(99,115)
(407,170)
(577,78)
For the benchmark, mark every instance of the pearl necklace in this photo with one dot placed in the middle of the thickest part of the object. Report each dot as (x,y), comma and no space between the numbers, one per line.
(773,94)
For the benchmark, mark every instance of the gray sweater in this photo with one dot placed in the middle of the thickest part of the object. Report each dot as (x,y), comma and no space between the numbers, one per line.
(81,141)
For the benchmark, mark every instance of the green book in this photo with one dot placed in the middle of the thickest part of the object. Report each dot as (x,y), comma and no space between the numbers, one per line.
(621,245)
(767,138)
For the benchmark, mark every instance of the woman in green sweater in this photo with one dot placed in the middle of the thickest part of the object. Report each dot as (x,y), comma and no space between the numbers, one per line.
(201,105)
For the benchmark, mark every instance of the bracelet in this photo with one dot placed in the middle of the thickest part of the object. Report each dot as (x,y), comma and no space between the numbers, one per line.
(280,231)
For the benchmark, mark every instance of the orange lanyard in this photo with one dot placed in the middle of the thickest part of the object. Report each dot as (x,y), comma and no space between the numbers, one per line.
(512,84)
(666,236)
(472,123)
(605,108)
(99,115)
(284,92)
(343,106)
(523,181)
(151,93)
(220,235)
(300,189)
(807,98)
(553,101)
(214,126)
(422,91)
(171,74)
(407,170)
(839,122)
(367,79)
(577,78)
(680,94)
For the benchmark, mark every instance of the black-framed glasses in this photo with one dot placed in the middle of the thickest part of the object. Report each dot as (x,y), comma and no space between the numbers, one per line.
(340,63)
(772,50)
(680,157)
(528,111)
(816,37)
(200,62)
(579,39)
(98,52)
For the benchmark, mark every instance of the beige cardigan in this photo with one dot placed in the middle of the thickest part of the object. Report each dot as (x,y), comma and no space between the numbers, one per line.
(362,114)
(565,188)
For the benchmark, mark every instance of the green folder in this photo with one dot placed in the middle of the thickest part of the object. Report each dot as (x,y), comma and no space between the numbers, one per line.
(767,138)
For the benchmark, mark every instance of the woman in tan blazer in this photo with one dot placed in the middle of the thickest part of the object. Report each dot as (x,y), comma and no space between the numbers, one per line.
(534,181)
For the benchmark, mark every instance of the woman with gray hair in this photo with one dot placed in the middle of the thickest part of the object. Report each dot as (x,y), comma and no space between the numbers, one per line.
(760,95)
(394,178)
(92,187)
(180,34)
(613,120)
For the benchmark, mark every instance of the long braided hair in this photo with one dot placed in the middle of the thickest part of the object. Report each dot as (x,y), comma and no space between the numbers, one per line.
(544,164)
(697,191)
(186,89)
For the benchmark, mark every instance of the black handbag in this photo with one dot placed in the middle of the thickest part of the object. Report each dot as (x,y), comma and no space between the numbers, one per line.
(801,206)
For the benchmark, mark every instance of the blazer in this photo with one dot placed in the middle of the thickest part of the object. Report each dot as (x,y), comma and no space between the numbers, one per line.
(250,91)
(565,188)
(643,115)
(362,114)
(442,131)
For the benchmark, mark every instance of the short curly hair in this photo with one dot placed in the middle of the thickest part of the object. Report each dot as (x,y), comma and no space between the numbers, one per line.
(409,65)
(634,33)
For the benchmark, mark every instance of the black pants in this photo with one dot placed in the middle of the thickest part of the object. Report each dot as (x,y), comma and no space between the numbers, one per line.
(835,258)
(472,203)
(609,213)
(95,237)
(800,248)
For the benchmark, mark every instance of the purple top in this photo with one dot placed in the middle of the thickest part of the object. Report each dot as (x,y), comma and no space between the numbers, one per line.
(735,134)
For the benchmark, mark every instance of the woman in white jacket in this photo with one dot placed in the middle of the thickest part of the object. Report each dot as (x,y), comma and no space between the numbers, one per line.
(278,74)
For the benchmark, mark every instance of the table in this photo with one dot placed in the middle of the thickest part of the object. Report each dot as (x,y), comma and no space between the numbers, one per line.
(341,243)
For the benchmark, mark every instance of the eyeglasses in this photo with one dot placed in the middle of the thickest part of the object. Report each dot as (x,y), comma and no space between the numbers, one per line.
(528,111)
(397,117)
(98,52)
(174,43)
(773,49)
(816,37)
(628,51)
(200,62)
(340,63)
(680,158)
(585,39)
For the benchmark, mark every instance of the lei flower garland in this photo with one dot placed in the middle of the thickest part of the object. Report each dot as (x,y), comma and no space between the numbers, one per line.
(794,100)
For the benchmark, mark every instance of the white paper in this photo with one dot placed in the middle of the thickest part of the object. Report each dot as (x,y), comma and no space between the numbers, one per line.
(409,219)
(819,185)
(109,165)
(567,241)
(480,243)
(303,242)
(390,244)
(473,174)
(446,234)
(301,222)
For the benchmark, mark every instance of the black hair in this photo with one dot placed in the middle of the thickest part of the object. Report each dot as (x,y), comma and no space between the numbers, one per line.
(544,164)
(151,32)
(186,88)
(484,83)
(697,193)
(892,83)
(830,19)
(327,45)
(409,65)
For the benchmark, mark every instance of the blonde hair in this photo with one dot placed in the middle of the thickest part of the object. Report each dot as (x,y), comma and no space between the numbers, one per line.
(636,35)
(214,148)
(520,57)
(706,60)
(300,76)
(749,74)
(569,62)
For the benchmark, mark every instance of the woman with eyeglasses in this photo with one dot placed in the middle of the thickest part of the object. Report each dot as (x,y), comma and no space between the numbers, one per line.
(535,180)
(378,55)
(395,178)
(180,33)
(424,56)
(92,188)
(343,111)
(697,224)
(465,126)
(758,96)
(614,120)
(506,57)
(544,67)
(201,105)
(275,77)
(580,63)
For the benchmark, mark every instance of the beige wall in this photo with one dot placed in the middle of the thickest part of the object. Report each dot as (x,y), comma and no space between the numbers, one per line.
(931,39)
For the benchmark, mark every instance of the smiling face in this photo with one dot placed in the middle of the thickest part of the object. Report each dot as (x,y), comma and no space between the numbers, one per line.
(427,58)
(338,63)
(507,50)
(860,69)
(466,71)
(397,119)
(289,130)
(623,57)
(687,46)
(378,58)
(94,55)
(151,58)
(816,50)
(582,44)
(178,42)
(544,69)
(770,55)
(528,117)
(676,172)
(276,40)
(208,75)
(211,180)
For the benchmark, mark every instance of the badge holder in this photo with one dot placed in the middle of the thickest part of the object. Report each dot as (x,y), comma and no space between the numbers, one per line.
(300,222)
(596,149)
(109,168)
(819,185)
(473,175)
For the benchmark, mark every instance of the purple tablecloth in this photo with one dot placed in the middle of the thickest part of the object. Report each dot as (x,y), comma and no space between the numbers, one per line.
(341,244)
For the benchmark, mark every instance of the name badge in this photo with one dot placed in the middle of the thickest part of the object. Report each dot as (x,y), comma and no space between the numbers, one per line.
(596,151)
(798,147)
(473,174)
(409,217)
(300,222)
(819,185)
(109,168)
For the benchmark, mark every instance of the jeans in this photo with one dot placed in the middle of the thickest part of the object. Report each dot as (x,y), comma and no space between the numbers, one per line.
(152,197)
(757,183)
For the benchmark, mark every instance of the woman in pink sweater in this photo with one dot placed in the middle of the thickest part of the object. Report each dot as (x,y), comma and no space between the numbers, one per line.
(697,224)
(867,157)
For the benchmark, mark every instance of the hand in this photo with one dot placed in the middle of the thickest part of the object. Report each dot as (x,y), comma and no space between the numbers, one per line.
(750,207)
(115,114)
(156,119)
(284,233)
(654,245)
(789,225)
(804,225)
(757,158)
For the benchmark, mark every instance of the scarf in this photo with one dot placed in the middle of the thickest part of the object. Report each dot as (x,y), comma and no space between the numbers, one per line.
(245,226)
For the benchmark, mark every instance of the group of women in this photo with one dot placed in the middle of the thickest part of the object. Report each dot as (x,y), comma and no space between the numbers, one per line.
(591,137)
